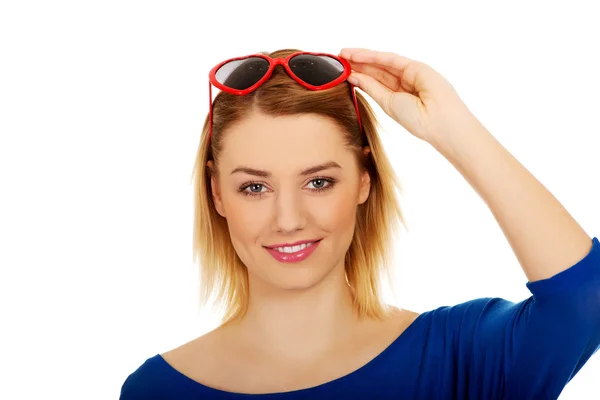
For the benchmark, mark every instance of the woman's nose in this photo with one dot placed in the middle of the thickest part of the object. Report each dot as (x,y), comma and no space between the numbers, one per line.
(289,213)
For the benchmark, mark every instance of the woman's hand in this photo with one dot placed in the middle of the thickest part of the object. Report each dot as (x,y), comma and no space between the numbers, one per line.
(411,92)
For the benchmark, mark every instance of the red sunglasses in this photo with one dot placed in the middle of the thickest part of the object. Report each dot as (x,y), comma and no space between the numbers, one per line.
(314,71)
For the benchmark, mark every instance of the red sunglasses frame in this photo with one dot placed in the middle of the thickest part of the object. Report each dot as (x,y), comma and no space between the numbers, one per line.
(273,62)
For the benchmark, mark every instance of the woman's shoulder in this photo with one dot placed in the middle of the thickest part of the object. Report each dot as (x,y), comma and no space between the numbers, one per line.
(163,374)
(203,359)
(151,380)
(202,345)
(469,315)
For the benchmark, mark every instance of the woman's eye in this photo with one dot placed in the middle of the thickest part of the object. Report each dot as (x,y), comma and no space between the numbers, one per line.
(318,183)
(255,188)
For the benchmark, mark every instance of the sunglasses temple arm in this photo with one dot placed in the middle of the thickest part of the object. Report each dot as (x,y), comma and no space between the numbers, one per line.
(353,90)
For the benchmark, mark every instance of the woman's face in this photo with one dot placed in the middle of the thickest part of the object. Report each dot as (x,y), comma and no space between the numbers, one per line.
(285,180)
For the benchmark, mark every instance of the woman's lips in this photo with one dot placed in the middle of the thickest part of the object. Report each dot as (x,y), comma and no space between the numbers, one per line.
(297,256)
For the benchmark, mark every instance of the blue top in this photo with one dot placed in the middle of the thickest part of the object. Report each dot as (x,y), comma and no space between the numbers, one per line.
(487,348)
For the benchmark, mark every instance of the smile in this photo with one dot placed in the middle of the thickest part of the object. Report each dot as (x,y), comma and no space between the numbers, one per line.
(293,253)
(293,249)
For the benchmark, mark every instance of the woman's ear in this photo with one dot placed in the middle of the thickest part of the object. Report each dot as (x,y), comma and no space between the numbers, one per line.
(366,152)
(365,180)
(365,187)
(215,188)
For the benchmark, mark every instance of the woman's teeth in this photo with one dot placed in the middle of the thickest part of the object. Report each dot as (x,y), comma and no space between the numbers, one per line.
(293,249)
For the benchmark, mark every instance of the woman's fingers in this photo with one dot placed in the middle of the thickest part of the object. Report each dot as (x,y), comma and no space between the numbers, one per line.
(382,59)
(404,68)
(348,54)
(384,76)
(404,108)
(379,92)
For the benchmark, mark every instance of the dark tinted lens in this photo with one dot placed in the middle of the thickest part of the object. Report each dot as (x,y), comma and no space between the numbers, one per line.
(316,70)
(241,74)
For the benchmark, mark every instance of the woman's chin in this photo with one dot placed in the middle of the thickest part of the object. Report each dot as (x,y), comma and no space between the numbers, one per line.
(293,281)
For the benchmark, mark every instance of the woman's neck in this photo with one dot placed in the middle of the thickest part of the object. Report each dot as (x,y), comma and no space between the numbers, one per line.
(298,324)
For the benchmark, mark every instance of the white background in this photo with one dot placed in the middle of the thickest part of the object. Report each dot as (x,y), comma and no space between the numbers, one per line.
(101,107)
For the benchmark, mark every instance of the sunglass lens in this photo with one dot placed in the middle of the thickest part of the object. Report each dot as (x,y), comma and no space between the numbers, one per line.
(316,70)
(242,74)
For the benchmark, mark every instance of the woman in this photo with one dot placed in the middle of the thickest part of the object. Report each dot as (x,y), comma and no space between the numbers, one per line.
(295,213)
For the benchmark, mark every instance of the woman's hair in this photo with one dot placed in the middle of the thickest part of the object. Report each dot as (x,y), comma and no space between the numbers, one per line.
(223,276)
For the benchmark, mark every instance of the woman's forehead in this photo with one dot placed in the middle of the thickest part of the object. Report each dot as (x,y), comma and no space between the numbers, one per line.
(294,142)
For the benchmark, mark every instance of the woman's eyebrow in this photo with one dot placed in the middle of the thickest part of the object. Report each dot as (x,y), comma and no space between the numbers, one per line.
(266,174)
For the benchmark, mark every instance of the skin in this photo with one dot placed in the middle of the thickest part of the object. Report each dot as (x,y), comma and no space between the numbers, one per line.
(301,325)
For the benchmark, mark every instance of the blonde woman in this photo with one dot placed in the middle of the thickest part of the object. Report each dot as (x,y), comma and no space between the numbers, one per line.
(295,212)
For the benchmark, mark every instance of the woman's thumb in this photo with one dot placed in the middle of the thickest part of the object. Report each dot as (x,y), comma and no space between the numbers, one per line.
(398,105)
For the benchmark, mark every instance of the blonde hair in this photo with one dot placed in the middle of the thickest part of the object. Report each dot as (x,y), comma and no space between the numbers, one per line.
(223,276)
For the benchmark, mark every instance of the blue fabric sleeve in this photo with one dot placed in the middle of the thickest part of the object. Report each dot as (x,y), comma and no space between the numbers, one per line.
(531,349)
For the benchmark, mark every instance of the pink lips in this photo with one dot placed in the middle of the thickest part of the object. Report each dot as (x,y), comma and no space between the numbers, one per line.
(298,256)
